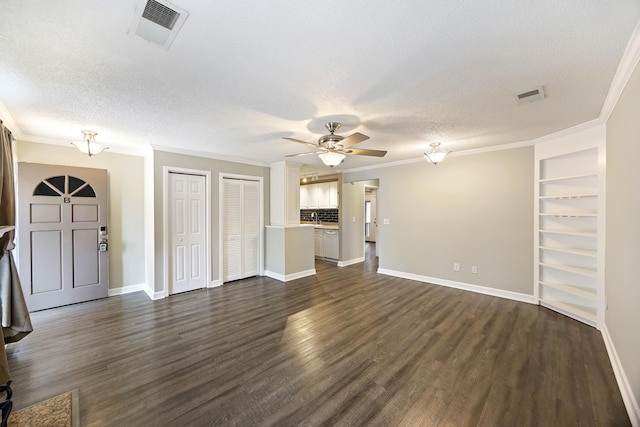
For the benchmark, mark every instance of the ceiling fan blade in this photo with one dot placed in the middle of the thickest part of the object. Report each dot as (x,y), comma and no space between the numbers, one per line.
(302,142)
(354,139)
(304,154)
(361,152)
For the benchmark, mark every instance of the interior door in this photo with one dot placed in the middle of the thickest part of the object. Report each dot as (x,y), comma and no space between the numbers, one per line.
(241,229)
(187,212)
(370,218)
(62,221)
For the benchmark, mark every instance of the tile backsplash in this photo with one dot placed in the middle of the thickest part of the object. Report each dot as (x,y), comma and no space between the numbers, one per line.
(324,215)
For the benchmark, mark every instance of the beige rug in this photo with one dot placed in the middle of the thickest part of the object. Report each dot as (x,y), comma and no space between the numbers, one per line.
(59,411)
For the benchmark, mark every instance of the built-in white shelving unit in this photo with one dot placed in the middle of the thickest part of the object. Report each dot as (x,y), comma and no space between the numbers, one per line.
(569,230)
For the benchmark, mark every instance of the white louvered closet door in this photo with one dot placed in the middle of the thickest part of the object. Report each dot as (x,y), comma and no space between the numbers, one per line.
(241,229)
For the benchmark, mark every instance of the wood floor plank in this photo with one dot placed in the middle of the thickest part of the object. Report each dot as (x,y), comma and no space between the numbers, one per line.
(347,346)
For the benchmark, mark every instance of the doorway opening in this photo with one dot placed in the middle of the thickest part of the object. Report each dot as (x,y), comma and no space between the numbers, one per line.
(371,218)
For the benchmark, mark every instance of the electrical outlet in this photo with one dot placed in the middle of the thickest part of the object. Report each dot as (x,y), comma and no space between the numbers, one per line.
(456,266)
(474,269)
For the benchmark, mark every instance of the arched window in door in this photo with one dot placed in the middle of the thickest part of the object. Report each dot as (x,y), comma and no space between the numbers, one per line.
(64,185)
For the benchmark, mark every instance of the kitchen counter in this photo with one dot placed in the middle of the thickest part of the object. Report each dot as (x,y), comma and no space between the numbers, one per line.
(325,226)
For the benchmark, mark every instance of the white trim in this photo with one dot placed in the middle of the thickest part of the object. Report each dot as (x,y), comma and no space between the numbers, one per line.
(260,180)
(628,398)
(166,170)
(516,296)
(627,65)
(214,283)
(154,295)
(127,289)
(500,147)
(350,262)
(208,155)
(289,277)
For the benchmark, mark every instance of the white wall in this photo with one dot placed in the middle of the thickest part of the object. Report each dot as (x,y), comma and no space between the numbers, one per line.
(472,210)
(126,207)
(622,279)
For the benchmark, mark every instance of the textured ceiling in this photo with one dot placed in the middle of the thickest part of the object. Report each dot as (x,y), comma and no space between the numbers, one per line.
(243,74)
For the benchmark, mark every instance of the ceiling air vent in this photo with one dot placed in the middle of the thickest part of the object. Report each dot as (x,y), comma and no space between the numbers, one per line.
(157,21)
(530,95)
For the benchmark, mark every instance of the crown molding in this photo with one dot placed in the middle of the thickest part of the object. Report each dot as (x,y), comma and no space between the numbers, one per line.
(574,129)
(207,155)
(628,64)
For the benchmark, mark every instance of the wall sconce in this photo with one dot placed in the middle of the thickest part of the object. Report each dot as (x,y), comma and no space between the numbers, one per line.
(89,146)
(436,155)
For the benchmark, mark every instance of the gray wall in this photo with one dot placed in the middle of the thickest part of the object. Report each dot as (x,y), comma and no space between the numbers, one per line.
(623,230)
(163,158)
(473,210)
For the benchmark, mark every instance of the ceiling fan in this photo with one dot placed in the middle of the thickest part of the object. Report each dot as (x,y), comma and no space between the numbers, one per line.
(332,149)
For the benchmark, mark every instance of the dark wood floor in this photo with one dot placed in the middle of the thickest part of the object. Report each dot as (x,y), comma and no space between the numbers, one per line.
(345,347)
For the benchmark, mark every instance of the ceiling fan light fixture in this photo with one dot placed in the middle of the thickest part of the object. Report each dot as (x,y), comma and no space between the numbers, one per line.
(331,158)
(436,155)
(89,146)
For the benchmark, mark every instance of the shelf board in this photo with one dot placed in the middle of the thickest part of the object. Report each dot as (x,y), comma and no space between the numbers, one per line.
(568,196)
(573,251)
(567,178)
(571,233)
(573,290)
(570,269)
(578,311)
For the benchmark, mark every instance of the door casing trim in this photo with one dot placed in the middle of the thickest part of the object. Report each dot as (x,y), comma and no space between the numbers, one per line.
(260,181)
(166,170)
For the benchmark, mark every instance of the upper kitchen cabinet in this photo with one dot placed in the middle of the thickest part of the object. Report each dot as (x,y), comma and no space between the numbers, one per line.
(323,195)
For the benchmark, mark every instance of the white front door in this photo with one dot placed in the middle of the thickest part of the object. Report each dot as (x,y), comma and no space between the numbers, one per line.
(241,229)
(187,213)
(62,218)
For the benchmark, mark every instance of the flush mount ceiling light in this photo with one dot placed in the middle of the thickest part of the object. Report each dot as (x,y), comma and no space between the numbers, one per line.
(331,158)
(89,146)
(436,155)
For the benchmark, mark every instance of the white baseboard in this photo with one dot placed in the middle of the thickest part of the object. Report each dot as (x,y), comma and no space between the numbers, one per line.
(350,262)
(154,295)
(127,289)
(630,402)
(288,277)
(215,283)
(136,288)
(516,296)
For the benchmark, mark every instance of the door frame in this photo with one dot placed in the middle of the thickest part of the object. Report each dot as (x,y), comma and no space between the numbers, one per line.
(260,181)
(166,170)
(24,189)
(377,241)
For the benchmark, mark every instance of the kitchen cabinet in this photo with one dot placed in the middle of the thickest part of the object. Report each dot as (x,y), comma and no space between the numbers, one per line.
(331,244)
(333,194)
(323,195)
(327,243)
(318,245)
(304,196)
